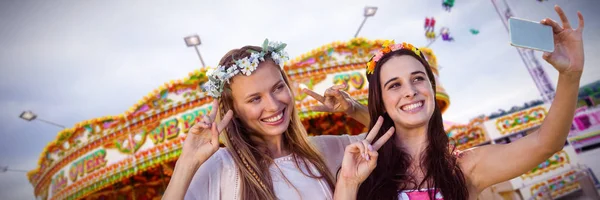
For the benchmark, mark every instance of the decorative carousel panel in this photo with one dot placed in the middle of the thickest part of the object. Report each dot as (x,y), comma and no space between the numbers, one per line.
(553,187)
(516,122)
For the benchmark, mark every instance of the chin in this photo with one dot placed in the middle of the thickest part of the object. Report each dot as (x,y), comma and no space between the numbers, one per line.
(411,121)
(416,124)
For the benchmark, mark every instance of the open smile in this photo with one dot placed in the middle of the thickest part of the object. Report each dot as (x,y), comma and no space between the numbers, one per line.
(413,107)
(275,119)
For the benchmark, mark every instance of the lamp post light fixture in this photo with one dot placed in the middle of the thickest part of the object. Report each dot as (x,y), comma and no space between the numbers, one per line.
(194,41)
(369,12)
(30,116)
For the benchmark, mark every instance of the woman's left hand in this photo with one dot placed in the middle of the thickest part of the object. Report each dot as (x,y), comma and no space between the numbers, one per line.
(360,158)
(568,56)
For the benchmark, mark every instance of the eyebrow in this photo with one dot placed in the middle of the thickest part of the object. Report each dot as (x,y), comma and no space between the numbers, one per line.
(392,79)
(396,78)
(257,94)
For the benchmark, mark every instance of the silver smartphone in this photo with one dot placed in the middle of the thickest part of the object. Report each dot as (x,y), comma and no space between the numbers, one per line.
(531,35)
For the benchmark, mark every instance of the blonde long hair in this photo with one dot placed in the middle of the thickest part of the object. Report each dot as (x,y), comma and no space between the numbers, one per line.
(250,157)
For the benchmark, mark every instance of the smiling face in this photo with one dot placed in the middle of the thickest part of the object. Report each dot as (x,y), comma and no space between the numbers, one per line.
(407,92)
(263,101)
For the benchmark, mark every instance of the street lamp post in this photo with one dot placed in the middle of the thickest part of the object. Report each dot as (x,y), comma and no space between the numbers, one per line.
(194,40)
(369,12)
(4,169)
(30,116)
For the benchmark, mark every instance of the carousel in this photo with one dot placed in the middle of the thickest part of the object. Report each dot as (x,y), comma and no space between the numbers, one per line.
(132,155)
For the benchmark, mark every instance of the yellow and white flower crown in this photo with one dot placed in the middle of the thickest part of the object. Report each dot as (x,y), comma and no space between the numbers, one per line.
(221,75)
(387,47)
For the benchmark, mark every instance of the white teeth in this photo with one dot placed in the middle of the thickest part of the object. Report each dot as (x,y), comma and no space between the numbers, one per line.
(274,119)
(410,107)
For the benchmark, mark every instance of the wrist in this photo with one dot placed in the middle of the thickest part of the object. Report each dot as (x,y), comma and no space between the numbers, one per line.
(347,184)
(187,163)
(352,108)
(570,76)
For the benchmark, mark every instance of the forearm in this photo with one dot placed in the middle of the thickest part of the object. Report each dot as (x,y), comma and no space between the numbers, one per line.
(180,180)
(345,191)
(360,113)
(556,126)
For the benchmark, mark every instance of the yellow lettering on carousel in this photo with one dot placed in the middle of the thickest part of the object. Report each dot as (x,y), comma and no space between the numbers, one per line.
(59,182)
(157,135)
(189,119)
(88,164)
(76,170)
(96,161)
(171,129)
(341,79)
(354,79)
(357,80)
(204,111)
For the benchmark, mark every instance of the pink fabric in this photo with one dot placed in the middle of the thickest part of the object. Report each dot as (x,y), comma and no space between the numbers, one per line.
(418,195)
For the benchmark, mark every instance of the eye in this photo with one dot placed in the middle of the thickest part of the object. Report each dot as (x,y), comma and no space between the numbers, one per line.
(394,85)
(279,88)
(254,100)
(418,79)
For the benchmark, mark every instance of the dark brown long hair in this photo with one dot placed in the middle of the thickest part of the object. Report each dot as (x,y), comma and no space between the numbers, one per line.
(391,175)
(251,157)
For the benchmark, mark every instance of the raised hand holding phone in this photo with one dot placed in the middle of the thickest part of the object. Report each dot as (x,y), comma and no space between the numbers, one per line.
(562,45)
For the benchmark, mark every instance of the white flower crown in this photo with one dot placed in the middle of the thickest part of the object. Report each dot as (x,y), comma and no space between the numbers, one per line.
(219,76)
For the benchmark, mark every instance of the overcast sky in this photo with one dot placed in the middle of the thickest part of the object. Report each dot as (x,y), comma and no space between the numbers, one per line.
(70,61)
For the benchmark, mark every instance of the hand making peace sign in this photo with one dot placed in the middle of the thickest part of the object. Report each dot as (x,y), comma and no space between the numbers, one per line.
(360,158)
(203,138)
(334,99)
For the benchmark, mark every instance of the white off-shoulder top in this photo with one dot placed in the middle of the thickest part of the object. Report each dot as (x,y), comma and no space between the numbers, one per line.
(218,177)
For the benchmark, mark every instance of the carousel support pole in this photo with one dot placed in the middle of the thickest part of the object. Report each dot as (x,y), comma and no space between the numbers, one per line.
(134,197)
(162,179)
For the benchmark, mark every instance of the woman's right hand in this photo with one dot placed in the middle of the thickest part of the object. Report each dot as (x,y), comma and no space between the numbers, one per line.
(360,158)
(334,100)
(203,137)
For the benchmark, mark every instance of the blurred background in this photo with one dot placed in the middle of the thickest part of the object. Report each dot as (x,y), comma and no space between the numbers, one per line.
(72,61)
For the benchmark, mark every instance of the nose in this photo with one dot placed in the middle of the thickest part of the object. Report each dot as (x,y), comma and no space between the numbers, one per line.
(272,104)
(410,92)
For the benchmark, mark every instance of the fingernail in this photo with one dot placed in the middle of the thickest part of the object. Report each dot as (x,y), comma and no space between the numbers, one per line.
(370,148)
(368,157)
